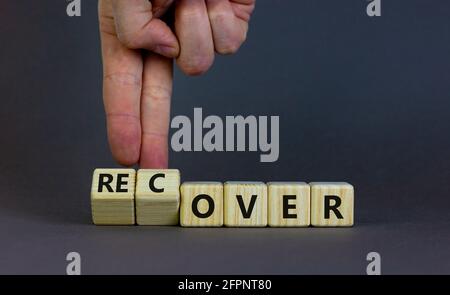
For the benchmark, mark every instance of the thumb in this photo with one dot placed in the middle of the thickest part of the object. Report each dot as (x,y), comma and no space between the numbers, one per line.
(138,29)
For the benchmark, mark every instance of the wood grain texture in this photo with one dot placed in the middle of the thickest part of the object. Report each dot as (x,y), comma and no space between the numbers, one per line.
(113,208)
(153,207)
(233,215)
(289,204)
(319,191)
(210,216)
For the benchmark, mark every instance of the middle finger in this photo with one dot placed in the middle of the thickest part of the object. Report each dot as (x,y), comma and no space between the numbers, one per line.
(193,30)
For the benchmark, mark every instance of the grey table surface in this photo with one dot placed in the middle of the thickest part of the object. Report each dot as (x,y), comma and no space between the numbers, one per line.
(363,100)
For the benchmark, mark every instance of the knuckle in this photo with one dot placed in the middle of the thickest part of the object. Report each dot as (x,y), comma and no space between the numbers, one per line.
(157,93)
(106,25)
(129,40)
(124,78)
(126,117)
(190,14)
(155,134)
(220,17)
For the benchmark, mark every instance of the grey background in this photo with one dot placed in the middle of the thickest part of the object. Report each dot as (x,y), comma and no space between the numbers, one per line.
(360,99)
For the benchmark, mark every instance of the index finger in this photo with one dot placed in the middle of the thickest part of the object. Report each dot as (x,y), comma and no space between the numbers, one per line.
(122,80)
(155,111)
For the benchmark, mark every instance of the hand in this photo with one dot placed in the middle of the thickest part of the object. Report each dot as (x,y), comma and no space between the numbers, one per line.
(205,26)
(137,85)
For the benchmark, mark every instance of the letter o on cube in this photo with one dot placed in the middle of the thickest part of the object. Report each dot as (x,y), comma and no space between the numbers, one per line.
(201,204)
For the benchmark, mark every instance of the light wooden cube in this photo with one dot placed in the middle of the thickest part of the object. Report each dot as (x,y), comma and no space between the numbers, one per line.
(245,204)
(332,204)
(157,197)
(112,196)
(201,204)
(289,204)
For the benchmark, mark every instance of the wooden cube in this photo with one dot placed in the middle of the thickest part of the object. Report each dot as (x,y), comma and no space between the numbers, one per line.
(245,204)
(157,197)
(332,204)
(112,196)
(201,204)
(289,204)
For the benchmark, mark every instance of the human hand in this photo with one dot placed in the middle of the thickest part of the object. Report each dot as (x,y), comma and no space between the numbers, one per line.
(137,50)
